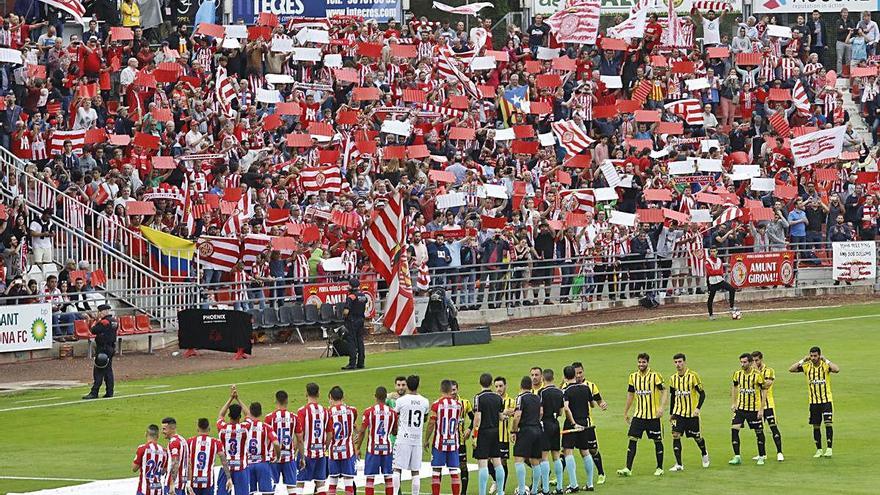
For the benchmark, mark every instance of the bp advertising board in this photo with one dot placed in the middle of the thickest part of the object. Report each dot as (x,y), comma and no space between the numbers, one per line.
(25,327)
(379,10)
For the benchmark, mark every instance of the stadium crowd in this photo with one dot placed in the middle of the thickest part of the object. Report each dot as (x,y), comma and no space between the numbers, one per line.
(306,128)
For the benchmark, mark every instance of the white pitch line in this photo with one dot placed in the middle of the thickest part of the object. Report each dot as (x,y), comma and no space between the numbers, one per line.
(36,400)
(447,361)
(31,478)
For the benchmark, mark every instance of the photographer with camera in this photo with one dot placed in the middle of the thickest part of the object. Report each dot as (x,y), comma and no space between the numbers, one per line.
(105,347)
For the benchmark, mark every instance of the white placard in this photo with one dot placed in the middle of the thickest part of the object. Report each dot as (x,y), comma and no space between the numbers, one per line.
(659,153)
(708,144)
(626,181)
(333,264)
(612,82)
(739,176)
(778,31)
(238,31)
(747,170)
(505,134)
(495,191)
(622,218)
(280,79)
(547,139)
(11,56)
(333,60)
(25,327)
(397,127)
(306,54)
(451,200)
(545,53)
(854,261)
(482,63)
(701,216)
(610,173)
(685,167)
(309,35)
(605,194)
(708,165)
(268,95)
(283,45)
(231,44)
(763,184)
(697,84)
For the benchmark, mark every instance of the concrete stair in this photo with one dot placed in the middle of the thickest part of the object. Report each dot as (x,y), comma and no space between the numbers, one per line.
(853,107)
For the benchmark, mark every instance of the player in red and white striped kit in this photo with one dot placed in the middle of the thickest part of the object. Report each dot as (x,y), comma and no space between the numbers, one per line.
(234,436)
(340,443)
(203,450)
(444,433)
(178,452)
(151,462)
(262,445)
(283,423)
(381,421)
(312,425)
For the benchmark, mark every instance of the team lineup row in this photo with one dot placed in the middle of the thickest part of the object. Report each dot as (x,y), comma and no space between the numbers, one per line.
(321,444)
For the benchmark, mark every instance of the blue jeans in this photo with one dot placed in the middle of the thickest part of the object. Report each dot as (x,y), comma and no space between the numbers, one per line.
(257,297)
(468,296)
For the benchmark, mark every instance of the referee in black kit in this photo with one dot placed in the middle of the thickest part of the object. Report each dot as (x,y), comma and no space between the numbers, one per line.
(526,435)
(553,406)
(488,407)
(578,398)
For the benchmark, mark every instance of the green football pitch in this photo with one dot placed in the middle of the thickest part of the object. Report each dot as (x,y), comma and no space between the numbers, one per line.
(67,438)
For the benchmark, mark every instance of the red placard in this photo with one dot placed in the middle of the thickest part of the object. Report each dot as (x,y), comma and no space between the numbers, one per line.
(144,208)
(164,163)
(563,63)
(414,96)
(334,293)
(267,19)
(578,161)
(779,94)
(640,144)
(650,215)
(347,117)
(614,44)
(523,131)
(524,147)
(539,108)
(366,49)
(320,129)
(311,234)
(212,30)
(671,128)
(647,115)
(365,94)
(391,152)
(328,156)
(146,141)
(162,114)
(120,139)
(417,151)
(500,56)
(683,67)
(121,34)
(762,269)
(628,106)
(272,122)
(576,220)
(658,60)
(784,191)
(563,177)
(404,51)
(676,215)
(492,222)
(760,214)
(287,108)
(548,81)
(459,102)
(657,194)
(346,74)
(462,133)
(165,76)
(259,32)
(748,58)
(441,176)
(298,140)
(533,66)
(709,199)
(487,91)
(826,174)
(863,71)
(604,112)
(95,136)
(718,52)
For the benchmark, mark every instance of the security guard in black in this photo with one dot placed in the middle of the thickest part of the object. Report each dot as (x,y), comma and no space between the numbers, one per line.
(353,311)
(105,345)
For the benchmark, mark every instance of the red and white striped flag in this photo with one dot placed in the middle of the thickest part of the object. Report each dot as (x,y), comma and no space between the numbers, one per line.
(219,253)
(780,124)
(817,146)
(641,93)
(449,68)
(571,137)
(799,98)
(444,111)
(423,281)
(385,237)
(232,226)
(690,110)
(103,194)
(254,244)
(77,140)
(578,23)
(327,178)
(730,214)
(578,200)
(225,93)
(400,306)
(715,5)
(72,7)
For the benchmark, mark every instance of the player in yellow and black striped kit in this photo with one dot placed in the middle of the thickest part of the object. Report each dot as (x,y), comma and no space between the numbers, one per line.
(464,432)
(817,368)
(503,430)
(647,392)
(747,397)
(770,408)
(686,397)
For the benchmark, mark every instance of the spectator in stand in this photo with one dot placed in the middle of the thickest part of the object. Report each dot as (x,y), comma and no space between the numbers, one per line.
(840,231)
(538,33)
(797,224)
(42,231)
(817,35)
(492,253)
(871,31)
(131,14)
(868,214)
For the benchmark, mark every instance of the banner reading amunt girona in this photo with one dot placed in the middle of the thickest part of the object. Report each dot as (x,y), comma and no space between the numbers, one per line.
(762,269)
(332,293)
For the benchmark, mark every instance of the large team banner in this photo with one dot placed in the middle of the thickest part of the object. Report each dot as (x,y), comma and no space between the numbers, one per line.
(26,327)
(332,293)
(769,269)
(854,261)
(379,10)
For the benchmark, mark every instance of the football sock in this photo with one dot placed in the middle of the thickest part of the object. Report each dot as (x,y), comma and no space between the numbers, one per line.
(500,478)
(482,480)
(631,453)
(777,437)
(560,472)
(701,443)
(544,469)
(817,436)
(734,440)
(520,477)
(658,451)
(597,460)
(762,447)
(571,469)
(829,434)
(588,467)
(676,449)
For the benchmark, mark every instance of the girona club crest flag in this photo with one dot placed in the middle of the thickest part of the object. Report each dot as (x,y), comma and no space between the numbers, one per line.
(817,146)
(577,23)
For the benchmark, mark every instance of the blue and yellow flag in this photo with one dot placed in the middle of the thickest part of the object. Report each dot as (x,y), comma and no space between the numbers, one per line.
(170,255)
